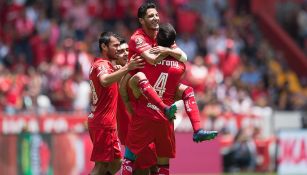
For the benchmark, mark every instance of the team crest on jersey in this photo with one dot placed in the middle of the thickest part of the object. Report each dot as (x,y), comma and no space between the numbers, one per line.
(138,41)
(102,70)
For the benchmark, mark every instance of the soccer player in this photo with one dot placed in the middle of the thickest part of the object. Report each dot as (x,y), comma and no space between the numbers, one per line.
(102,120)
(149,124)
(141,43)
(147,158)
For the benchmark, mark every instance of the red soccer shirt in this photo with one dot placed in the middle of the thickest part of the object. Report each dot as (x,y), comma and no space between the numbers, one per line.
(164,78)
(140,42)
(123,120)
(104,99)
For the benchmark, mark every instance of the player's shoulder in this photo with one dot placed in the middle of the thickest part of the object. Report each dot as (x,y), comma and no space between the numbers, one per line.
(100,61)
(137,35)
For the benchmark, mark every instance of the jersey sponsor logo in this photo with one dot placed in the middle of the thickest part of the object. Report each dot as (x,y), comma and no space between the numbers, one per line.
(153,107)
(169,63)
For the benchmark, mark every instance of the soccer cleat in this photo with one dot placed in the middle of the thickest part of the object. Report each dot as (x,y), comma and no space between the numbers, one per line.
(170,112)
(202,135)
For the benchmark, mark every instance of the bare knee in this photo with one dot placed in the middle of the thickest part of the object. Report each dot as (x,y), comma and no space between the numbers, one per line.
(181,88)
(114,166)
(163,161)
(99,168)
(141,172)
(139,76)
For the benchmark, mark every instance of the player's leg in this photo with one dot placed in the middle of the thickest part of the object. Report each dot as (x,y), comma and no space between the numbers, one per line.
(187,95)
(165,146)
(139,136)
(163,166)
(114,166)
(141,172)
(146,159)
(99,168)
(127,166)
(139,81)
(106,151)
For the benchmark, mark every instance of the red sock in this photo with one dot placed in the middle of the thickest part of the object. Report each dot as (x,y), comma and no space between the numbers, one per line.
(191,108)
(151,95)
(163,170)
(127,167)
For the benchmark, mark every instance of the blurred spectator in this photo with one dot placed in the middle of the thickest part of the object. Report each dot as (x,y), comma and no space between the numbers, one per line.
(302,24)
(82,91)
(188,44)
(196,74)
(228,60)
(242,155)
(78,14)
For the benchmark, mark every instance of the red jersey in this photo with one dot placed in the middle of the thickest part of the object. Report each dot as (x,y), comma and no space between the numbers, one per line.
(123,120)
(164,77)
(104,99)
(140,42)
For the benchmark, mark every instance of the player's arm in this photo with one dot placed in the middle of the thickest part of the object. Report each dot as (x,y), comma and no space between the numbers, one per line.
(152,58)
(123,92)
(108,79)
(175,52)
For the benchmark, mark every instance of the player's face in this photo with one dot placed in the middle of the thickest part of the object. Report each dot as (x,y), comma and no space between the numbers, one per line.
(122,54)
(151,19)
(112,48)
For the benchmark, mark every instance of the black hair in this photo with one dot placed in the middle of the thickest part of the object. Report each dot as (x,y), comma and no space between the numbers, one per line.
(122,41)
(166,35)
(144,7)
(105,38)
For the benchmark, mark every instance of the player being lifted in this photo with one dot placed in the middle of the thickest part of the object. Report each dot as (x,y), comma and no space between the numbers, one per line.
(141,43)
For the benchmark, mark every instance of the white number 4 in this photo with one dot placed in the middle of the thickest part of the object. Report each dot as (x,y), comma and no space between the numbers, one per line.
(161,83)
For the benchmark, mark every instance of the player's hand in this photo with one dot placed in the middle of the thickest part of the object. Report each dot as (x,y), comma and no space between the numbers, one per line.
(160,50)
(116,67)
(136,62)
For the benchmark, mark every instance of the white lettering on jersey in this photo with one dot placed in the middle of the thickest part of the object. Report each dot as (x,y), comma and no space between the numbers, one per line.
(169,63)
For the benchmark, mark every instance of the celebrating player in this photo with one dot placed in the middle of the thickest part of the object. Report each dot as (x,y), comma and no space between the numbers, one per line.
(141,43)
(102,119)
(147,158)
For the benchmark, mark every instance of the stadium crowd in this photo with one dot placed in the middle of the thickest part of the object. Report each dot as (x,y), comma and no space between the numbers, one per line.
(295,22)
(46,49)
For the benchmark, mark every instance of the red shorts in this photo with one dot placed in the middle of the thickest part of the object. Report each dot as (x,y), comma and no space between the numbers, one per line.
(144,131)
(106,146)
(146,158)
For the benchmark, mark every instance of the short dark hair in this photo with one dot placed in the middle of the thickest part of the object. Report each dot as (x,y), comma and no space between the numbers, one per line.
(105,38)
(166,35)
(122,41)
(143,8)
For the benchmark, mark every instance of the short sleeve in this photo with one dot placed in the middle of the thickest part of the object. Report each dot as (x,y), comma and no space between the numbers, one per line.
(140,44)
(103,68)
